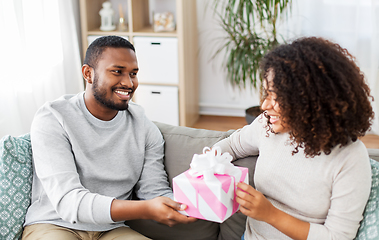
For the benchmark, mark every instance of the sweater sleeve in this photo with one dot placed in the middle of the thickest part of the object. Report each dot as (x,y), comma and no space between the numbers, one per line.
(350,192)
(244,142)
(55,167)
(153,181)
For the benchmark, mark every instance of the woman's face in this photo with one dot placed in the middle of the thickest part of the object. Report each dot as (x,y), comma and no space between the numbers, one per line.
(271,106)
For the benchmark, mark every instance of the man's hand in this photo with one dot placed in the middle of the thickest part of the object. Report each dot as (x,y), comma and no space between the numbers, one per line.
(160,209)
(165,210)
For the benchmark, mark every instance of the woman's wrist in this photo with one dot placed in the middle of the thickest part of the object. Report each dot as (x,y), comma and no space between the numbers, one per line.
(274,216)
(287,224)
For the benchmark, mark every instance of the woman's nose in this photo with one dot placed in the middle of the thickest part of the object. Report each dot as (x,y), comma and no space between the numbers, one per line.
(267,104)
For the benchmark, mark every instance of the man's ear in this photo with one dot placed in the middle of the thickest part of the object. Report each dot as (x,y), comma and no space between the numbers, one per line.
(87,73)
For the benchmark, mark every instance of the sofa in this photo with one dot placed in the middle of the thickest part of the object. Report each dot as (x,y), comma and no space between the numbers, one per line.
(180,145)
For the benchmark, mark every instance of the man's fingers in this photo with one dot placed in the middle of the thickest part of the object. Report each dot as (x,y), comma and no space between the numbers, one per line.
(184,219)
(175,205)
(178,217)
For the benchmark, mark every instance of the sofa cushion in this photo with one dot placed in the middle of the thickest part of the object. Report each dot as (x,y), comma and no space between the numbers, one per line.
(374,153)
(181,143)
(15,184)
(369,228)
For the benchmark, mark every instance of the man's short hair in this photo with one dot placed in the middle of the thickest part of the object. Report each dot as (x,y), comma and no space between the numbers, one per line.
(97,47)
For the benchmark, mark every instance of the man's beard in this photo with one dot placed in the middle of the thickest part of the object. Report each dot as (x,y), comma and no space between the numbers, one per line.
(100,96)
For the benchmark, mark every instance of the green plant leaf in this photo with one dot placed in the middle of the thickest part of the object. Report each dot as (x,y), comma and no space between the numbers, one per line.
(251,32)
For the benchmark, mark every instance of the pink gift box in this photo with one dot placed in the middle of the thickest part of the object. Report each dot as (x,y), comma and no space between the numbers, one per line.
(212,199)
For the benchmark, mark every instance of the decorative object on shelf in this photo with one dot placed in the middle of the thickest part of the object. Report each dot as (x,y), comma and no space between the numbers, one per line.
(106,14)
(164,22)
(121,21)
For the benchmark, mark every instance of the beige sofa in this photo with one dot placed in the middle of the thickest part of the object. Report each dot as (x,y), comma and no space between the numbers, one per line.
(180,145)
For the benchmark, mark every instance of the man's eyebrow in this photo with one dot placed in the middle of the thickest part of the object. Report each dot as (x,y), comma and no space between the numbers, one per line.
(117,66)
(123,67)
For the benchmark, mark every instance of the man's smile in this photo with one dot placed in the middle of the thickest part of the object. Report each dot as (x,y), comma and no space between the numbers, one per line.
(123,94)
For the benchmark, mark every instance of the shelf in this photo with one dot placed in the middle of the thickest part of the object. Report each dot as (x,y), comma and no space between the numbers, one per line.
(138,15)
(101,33)
(148,31)
(159,84)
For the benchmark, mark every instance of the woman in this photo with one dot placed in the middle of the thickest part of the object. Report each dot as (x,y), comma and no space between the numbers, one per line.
(313,175)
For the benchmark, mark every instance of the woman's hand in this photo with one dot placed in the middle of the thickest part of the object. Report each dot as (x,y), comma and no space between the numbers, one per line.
(253,203)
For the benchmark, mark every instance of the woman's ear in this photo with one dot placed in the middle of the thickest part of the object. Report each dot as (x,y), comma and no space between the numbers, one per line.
(87,73)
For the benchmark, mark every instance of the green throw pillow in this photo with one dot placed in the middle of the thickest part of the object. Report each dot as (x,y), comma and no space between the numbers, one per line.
(369,228)
(15,184)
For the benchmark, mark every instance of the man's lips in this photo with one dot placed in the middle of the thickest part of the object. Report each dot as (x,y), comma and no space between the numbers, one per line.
(123,94)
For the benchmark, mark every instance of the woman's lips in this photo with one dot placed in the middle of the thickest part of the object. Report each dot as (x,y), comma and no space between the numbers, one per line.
(274,119)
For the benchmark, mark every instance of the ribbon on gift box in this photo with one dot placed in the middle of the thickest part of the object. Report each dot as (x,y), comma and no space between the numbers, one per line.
(212,162)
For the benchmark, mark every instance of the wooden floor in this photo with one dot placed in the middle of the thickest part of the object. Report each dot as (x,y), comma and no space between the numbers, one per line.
(222,123)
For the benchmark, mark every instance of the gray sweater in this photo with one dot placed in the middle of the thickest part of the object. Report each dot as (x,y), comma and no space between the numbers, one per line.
(82,163)
(329,191)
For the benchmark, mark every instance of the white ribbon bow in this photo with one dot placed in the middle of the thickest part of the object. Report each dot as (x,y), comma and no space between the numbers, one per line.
(211,162)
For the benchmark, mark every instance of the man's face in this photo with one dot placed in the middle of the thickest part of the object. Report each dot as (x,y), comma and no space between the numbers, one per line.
(115,78)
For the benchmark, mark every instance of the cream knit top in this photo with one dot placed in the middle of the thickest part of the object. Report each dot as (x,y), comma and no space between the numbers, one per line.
(328,191)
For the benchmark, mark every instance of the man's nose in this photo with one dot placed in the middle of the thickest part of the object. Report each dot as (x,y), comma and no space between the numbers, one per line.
(127,81)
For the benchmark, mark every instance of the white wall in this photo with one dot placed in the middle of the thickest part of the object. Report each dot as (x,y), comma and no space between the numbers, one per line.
(216,96)
(351,23)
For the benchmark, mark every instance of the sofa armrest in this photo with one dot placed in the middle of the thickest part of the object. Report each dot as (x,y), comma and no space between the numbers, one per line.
(373,153)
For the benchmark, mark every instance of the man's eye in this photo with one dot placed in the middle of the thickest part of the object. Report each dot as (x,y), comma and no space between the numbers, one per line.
(133,74)
(117,71)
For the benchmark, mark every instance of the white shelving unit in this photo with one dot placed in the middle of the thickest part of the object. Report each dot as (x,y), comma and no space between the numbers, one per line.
(168,64)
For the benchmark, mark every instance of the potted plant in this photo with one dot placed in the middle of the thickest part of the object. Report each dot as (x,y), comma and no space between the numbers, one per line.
(251,27)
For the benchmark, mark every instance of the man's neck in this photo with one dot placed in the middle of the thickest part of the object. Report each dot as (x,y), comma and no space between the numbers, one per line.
(97,109)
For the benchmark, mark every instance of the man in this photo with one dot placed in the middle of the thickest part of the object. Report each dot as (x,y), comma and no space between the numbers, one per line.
(92,149)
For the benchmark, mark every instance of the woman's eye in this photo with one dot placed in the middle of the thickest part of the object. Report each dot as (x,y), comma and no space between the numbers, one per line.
(267,96)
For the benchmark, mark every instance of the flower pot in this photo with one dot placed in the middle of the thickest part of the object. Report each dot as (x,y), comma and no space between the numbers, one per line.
(252,113)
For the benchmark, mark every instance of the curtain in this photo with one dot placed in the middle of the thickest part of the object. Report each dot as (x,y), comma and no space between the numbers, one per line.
(39,59)
(351,23)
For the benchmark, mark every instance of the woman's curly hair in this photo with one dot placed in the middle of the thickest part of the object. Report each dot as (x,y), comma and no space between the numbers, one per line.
(321,92)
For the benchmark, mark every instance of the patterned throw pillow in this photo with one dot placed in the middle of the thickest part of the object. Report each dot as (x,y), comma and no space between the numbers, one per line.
(369,228)
(15,184)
